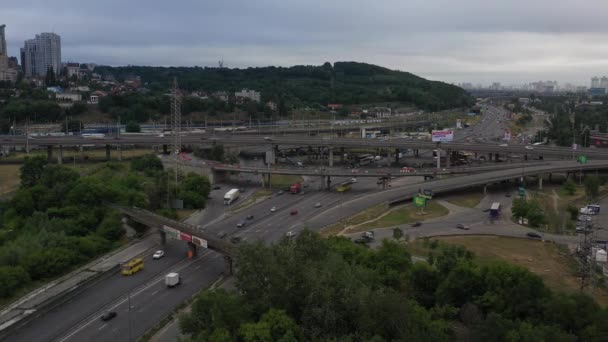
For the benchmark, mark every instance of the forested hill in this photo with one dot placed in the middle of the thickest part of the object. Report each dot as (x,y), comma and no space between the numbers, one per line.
(344,82)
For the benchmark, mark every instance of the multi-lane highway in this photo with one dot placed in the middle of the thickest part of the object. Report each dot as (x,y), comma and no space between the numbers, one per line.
(78,319)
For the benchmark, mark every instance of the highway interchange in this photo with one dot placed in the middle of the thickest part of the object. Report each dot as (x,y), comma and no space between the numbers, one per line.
(150,300)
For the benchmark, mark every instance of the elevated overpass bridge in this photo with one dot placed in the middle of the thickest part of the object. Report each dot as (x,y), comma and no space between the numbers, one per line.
(404,193)
(273,142)
(194,236)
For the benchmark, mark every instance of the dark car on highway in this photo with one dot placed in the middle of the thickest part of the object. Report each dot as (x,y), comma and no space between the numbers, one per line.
(416,224)
(534,235)
(462,226)
(249,217)
(108,316)
(241,224)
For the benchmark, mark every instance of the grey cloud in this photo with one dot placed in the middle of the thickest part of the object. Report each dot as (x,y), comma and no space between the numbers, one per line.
(470,40)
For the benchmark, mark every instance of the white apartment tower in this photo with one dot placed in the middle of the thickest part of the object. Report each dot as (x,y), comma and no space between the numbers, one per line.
(604,82)
(41,53)
(595,82)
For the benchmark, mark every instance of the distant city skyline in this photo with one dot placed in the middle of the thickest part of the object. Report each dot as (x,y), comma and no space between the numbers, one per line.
(474,41)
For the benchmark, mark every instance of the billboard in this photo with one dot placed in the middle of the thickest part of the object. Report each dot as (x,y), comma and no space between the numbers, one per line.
(199,242)
(419,201)
(174,233)
(458,123)
(445,135)
(185,237)
(507,135)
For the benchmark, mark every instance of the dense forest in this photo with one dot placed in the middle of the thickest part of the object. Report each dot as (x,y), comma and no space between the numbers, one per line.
(58,220)
(299,86)
(315,289)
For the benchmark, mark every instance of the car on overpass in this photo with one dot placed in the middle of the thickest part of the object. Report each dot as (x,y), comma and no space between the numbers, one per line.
(158,254)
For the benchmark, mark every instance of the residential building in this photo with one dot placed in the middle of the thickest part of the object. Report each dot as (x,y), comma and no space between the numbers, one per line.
(68,97)
(8,71)
(42,53)
(604,82)
(73,70)
(247,94)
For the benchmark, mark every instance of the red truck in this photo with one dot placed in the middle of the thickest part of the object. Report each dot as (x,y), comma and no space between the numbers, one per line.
(296,188)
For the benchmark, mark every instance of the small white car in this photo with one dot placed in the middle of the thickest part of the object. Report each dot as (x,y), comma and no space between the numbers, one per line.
(529,147)
(273,209)
(353,180)
(158,255)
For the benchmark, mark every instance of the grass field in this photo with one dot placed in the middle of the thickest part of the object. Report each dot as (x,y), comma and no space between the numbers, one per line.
(252,199)
(402,215)
(9,178)
(470,200)
(366,215)
(282,181)
(385,217)
(549,261)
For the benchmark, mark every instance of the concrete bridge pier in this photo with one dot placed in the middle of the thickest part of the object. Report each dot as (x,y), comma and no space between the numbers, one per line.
(119,152)
(396,156)
(60,155)
(496,157)
(227,265)
(490,156)
(485,189)
(163,237)
(328,183)
(191,250)
(448,158)
(540,182)
(108,152)
(49,153)
(331,157)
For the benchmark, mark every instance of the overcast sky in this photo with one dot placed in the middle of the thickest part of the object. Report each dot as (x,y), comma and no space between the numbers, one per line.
(510,41)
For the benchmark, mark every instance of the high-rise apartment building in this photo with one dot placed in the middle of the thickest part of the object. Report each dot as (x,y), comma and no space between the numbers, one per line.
(40,54)
(595,82)
(7,71)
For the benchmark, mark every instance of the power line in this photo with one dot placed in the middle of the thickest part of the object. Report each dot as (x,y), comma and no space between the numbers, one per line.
(176,122)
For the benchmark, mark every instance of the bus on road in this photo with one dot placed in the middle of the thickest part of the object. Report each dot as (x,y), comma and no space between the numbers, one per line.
(132,266)
(495,211)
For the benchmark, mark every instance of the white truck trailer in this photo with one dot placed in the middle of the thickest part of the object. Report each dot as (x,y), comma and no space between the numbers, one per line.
(172,279)
(231,196)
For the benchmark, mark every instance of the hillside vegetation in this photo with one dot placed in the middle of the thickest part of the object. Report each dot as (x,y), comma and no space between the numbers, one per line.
(344,82)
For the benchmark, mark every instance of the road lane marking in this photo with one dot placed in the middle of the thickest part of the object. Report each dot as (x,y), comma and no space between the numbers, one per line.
(103,326)
(93,318)
(153,293)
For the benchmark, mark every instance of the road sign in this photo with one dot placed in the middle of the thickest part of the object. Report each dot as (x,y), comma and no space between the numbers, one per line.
(574,146)
(582,159)
(419,201)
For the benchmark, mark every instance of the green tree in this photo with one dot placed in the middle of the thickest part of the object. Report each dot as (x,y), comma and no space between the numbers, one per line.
(275,325)
(31,170)
(217,153)
(150,164)
(573,212)
(570,187)
(212,310)
(11,279)
(592,186)
(194,190)
(132,127)
(397,233)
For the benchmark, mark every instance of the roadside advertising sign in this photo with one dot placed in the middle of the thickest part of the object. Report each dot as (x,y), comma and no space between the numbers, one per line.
(185,237)
(445,135)
(199,242)
(582,159)
(419,201)
(173,233)
(458,123)
(507,135)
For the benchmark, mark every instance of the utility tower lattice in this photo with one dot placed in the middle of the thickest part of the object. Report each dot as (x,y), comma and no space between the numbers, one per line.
(176,122)
(587,257)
